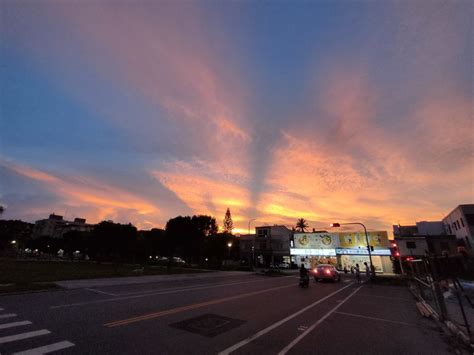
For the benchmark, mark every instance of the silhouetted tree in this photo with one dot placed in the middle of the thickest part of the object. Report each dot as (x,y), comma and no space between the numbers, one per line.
(228,224)
(2,209)
(301,225)
(114,240)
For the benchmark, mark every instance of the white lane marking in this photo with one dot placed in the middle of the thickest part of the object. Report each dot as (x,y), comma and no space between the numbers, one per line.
(310,329)
(47,348)
(152,294)
(21,336)
(102,292)
(8,315)
(14,324)
(277,324)
(375,318)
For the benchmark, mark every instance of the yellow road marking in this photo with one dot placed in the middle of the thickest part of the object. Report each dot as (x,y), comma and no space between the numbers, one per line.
(189,307)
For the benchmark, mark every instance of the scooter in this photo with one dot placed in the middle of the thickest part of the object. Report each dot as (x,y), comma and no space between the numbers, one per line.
(304,281)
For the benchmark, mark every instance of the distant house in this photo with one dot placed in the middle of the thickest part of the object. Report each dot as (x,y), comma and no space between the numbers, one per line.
(269,245)
(55,226)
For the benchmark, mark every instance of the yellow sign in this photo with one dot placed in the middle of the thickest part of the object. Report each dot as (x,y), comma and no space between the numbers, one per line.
(378,239)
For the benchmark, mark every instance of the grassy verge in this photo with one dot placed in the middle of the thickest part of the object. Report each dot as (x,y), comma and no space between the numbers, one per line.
(29,275)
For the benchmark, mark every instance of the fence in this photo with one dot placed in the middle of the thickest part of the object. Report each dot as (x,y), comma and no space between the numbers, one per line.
(436,281)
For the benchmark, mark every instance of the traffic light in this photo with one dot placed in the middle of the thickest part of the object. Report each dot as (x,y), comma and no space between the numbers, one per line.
(395,251)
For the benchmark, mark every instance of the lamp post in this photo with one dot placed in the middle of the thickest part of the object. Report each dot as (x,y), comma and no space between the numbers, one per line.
(230,246)
(253,243)
(366,238)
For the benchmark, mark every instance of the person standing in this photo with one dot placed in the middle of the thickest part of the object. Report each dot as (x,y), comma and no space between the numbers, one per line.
(357,272)
(367,270)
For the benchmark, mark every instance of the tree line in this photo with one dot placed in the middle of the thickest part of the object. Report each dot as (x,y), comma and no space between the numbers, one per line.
(196,239)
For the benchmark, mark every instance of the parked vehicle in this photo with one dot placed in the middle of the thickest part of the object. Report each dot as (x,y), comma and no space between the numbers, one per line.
(284,266)
(326,272)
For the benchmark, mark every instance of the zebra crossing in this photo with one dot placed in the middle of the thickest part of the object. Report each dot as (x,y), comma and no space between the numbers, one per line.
(15,332)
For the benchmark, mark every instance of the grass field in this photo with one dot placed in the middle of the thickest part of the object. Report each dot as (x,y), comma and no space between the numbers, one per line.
(22,275)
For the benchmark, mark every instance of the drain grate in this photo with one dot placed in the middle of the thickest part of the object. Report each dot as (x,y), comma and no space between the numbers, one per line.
(208,325)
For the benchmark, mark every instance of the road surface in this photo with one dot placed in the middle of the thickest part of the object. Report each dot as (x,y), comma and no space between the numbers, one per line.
(221,314)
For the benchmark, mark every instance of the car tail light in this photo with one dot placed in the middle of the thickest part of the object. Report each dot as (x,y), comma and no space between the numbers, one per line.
(328,271)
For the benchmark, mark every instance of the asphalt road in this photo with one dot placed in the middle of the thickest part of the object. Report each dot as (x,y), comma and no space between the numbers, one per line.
(238,314)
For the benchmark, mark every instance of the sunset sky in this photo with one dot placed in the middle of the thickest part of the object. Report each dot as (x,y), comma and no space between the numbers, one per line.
(332,111)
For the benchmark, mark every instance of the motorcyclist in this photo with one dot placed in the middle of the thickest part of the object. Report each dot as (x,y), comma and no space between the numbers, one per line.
(303,272)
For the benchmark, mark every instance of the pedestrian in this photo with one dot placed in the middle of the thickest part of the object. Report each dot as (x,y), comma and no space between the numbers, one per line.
(357,272)
(367,270)
(372,271)
(352,269)
(345,269)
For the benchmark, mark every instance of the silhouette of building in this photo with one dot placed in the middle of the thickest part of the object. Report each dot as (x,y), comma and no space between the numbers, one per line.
(55,226)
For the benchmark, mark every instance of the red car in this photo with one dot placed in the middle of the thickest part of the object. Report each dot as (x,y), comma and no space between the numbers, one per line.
(326,272)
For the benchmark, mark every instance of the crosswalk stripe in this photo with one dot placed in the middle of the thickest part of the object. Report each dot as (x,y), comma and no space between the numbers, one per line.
(8,315)
(21,336)
(47,348)
(14,324)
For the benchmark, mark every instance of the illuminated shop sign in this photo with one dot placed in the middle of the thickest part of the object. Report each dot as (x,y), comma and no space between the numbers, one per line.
(362,251)
(320,252)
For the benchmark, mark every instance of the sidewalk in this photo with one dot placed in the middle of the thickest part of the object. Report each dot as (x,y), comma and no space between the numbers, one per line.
(130,280)
(383,319)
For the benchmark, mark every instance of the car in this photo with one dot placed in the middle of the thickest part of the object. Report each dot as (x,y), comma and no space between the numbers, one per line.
(283,266)
(325,272)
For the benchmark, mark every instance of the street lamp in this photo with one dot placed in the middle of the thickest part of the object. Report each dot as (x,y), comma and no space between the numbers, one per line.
(253,243)
(13,242)
(335,225)
(230,246)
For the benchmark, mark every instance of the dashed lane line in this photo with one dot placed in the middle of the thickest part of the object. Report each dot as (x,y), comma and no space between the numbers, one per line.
(310,329)
(8,315)
(21,336)
(47,348)
(14,324)
(277,324)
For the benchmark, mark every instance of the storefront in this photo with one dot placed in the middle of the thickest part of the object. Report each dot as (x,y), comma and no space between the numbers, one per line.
(312,249)
(348,258)
(343,250)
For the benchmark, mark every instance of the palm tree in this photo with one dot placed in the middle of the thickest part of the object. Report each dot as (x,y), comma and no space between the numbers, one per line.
(301,225)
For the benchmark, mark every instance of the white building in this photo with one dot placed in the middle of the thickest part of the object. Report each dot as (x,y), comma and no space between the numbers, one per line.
(460,222)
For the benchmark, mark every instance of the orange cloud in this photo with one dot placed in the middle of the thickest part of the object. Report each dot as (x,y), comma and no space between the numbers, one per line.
(105,201)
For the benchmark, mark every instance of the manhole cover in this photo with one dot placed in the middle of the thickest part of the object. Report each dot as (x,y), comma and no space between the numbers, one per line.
(208,325)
